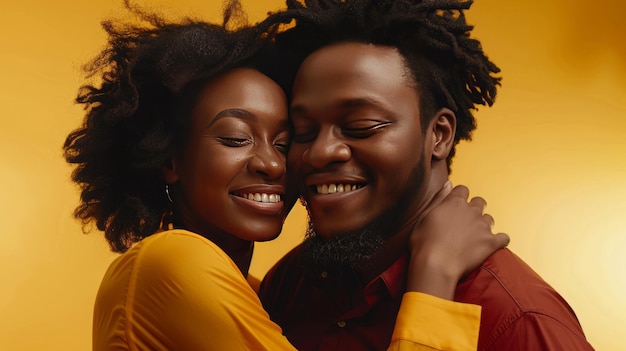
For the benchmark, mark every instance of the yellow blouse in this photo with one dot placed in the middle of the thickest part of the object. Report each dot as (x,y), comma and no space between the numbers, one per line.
(176,290)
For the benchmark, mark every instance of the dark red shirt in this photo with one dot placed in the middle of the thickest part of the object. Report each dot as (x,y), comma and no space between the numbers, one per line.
(324,311)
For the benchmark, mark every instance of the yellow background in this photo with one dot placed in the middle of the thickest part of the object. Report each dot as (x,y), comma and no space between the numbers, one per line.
(549,158)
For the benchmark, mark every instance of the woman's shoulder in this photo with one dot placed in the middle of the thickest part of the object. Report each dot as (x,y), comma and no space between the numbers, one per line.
(180,252)
(177,239)
(170,261)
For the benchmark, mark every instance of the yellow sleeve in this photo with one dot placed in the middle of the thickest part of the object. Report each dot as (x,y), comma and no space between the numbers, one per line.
(186,294)
(426,322)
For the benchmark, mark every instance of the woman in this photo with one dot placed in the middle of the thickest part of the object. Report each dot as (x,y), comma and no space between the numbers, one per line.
(181,163)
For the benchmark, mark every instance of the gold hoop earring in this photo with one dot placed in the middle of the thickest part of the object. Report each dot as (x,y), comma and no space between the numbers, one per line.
(169,217)
(167,192)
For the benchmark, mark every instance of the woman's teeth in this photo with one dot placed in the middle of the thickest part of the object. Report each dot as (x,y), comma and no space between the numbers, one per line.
(262,197)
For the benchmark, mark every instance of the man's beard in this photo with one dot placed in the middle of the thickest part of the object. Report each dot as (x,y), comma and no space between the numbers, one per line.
(352,250)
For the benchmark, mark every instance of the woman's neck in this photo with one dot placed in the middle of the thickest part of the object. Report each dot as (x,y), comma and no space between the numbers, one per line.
(239,250)
(242,256)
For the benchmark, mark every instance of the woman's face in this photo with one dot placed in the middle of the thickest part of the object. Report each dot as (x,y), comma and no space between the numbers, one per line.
(231,178)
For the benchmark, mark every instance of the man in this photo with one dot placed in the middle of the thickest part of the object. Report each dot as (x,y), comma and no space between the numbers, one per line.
(379,103)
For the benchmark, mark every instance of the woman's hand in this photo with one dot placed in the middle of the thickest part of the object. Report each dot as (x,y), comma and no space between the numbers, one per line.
(452,239)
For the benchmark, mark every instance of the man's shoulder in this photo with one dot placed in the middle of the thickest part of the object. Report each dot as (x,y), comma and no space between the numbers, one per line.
(510,291)
(504,279)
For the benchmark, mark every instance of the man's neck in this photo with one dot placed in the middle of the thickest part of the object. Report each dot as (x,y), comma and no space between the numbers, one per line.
(394,247)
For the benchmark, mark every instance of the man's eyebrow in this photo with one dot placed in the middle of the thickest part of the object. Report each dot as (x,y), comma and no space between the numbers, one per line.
(234,112)
(359,102)
(349,103)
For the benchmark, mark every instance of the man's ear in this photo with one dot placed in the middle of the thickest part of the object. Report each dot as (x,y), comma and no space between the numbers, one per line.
(443,129)
(170,174)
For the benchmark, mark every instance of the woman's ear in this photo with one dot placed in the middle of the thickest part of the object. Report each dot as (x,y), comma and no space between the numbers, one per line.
(442,129)
(170,174)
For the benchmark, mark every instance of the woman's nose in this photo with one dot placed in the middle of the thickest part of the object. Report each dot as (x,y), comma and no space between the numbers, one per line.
(267,162)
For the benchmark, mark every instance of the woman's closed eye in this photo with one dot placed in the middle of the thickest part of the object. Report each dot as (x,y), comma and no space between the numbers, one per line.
(234,142)
(282,146)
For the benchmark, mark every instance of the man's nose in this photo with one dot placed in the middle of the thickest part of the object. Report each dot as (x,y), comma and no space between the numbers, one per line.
(327,148)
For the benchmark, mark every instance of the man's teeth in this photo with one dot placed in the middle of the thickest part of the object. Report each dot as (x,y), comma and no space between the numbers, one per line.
(335,188)
(262,197)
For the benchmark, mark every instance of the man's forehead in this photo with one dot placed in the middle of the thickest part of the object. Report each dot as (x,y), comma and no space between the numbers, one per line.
(353,55)
(350,73)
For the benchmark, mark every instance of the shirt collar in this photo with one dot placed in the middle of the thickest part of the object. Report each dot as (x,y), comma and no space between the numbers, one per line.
(393,278)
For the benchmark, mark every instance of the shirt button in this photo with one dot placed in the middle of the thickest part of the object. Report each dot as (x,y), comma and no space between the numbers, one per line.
(341,324)
(324,274)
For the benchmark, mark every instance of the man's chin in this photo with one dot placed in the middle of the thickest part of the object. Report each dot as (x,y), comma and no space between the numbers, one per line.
(328,228)
(339,252)
(350,250)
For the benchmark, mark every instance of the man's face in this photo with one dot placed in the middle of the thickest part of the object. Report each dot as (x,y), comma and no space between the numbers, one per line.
(358,145)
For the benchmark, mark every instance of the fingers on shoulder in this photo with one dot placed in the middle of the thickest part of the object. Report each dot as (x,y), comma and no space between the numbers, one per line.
(502,240)
(460,191)
(478,202)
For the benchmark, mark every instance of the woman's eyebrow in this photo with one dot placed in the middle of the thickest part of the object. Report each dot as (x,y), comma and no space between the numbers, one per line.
(234,112)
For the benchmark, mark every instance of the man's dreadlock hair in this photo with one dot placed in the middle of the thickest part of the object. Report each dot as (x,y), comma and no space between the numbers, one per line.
(449,67)
(138,115)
